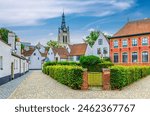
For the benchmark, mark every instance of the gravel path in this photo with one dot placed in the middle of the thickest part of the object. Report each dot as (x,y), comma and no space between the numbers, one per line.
(7,89)
(40,86)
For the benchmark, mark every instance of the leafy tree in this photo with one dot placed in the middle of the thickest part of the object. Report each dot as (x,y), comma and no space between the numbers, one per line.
(22,46)
(52,43)
(4,34)
(92,37)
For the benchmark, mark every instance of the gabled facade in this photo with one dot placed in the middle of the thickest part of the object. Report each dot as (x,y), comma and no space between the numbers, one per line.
(131,44)
(101,47)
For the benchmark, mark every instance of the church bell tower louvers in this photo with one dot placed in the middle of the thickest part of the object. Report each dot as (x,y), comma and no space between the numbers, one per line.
(63,32)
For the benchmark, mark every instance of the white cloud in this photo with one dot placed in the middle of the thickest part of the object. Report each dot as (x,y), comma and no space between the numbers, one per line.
(32,12)
(91,29)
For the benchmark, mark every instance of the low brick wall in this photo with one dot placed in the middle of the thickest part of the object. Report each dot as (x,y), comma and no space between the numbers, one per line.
(106,79)
(85,80)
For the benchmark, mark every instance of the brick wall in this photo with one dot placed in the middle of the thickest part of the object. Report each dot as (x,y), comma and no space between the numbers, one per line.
(106,79)
(85,80)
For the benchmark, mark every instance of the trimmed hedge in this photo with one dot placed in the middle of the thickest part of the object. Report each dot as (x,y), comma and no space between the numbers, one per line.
(58,63)
(67,75)
(94,63)
(122,76)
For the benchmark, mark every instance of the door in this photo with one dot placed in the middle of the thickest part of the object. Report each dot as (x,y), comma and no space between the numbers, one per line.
(12,70)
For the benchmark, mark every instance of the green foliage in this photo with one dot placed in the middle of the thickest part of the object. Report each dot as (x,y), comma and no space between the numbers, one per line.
(52,43)
(58,63)
(94,63)
(4,34)
(92,37)
(122,76)
(67,75)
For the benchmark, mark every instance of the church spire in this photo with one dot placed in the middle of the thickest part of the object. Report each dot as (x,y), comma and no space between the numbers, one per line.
(63,23)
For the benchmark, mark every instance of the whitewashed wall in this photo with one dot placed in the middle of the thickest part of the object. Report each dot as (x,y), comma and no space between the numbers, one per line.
(50,55)
(96,46)
(35,63)
(5,52)
(16,62)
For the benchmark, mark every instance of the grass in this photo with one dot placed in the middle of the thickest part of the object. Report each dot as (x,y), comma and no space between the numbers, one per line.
(95,79)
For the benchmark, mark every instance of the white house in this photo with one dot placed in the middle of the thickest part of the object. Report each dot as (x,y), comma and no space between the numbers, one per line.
(69,52)
(10,62)
(35,58)
(5,62)
(101,46)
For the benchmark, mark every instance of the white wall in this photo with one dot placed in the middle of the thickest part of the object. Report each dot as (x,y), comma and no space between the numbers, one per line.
(88,50)
(16,62)
(96,46)
(50,55)
(5,52)
(35,60)
(18,47)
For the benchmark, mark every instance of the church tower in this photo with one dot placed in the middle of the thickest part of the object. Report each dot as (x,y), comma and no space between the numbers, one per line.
(63,32)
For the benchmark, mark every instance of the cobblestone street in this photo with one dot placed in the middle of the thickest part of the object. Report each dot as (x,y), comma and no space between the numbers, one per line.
(36,85)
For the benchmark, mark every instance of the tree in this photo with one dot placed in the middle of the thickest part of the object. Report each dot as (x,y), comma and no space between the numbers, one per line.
(92,37)
(4,34)
(52,43)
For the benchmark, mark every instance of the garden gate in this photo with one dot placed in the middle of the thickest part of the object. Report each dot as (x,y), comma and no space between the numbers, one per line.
(94,78)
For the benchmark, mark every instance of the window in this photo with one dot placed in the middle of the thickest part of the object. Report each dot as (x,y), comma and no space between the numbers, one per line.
(38,58)
(134,42)
(71,58)
(125,57)
(115,57)
(1,62)
(105,51)
(77,58)
(134,56)
(144,56)
(124,43)
(100,42)
(34,54)
(115,43)
(98,50)
(145,41)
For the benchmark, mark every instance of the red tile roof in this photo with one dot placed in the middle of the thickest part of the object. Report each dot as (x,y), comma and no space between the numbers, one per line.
(62,52)
(134,27)
(78,49)
(29,52)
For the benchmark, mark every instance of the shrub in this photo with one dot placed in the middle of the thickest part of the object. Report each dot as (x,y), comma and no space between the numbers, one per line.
(122,76)
(89,61)
(58,63)
(68,75)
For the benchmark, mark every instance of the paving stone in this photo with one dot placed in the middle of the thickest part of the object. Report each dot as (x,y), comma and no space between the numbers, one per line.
(41,86)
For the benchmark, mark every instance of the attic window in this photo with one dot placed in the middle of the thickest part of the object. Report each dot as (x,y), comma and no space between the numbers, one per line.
(51,52)
(34,54)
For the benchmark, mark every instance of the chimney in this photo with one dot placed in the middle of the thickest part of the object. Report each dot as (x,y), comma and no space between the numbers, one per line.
(11,40)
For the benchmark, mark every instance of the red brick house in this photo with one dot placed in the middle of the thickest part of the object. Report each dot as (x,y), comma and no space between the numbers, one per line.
(131,44)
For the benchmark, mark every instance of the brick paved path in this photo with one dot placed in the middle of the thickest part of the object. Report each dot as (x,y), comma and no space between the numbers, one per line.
(40,86)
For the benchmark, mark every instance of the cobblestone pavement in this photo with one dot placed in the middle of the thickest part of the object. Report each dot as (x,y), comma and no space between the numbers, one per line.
(40,86)
(7,89)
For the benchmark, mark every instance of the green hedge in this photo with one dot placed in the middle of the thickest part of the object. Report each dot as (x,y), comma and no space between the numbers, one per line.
(94,63)
(68,75)
(122,76)
(59,63)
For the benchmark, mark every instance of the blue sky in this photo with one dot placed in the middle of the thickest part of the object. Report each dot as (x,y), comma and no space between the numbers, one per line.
(38,20)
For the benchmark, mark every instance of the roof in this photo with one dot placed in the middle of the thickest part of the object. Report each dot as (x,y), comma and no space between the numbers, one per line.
(62,52)
(134,28)
(44,54)
(29,52)
(78,49)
